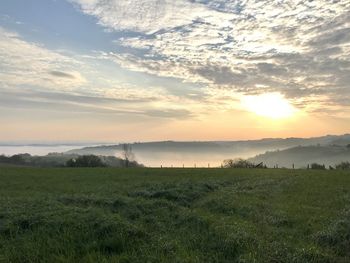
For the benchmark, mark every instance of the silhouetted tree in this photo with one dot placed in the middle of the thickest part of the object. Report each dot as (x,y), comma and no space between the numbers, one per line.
(127,154)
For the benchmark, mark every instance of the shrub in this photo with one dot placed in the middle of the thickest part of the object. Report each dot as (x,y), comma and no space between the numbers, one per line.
(86,161)
(343,166)
(238,163)
(317,166)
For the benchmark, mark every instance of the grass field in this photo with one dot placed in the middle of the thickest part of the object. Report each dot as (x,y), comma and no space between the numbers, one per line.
(174,215)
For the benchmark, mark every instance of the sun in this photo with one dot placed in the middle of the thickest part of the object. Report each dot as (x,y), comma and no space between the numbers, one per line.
(269,105)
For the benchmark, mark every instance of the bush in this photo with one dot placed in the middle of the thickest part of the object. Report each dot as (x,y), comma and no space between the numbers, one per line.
(343,166)
(238,163)
(86,161)
(317,166)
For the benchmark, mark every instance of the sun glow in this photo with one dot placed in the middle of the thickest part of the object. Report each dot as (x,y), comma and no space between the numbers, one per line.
(270,105)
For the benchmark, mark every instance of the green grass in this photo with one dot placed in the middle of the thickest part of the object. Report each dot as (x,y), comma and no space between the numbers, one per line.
(174,215)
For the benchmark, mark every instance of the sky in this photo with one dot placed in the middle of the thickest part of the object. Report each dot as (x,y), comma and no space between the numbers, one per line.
(143,70)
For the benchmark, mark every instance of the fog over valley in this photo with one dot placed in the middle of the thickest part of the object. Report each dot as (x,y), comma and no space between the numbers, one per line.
(284,152)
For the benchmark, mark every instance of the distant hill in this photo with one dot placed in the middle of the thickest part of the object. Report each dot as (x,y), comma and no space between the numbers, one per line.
(301,156)
(212,152)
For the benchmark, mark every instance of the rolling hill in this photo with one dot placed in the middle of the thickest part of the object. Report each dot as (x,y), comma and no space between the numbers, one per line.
(178,153)
(301,156)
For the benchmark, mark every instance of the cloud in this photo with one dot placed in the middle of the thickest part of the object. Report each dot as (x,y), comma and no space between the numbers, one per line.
(34,77)
(298,48)
(51,101)
(169,113)
(147,16)
(26,63)
(61,74)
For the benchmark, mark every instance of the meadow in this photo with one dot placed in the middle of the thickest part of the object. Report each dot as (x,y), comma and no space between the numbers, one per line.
(173,215)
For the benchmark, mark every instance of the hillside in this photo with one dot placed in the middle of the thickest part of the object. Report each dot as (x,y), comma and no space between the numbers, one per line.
(204,153)
(301,156)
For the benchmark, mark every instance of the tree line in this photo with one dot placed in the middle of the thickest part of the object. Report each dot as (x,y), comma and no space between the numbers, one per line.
(241,163)
(72,160)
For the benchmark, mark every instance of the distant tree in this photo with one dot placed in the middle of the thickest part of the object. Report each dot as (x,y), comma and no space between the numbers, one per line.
(238,163)
(343,166)
(19,158)
(348,146)
(86,161)
(3,158)
(71,163)
(317,166)
(127,154)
